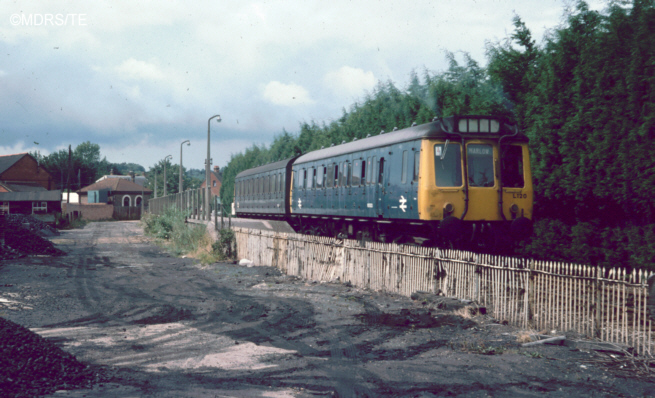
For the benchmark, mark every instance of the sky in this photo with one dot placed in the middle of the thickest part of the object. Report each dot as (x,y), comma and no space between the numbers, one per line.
(140,77)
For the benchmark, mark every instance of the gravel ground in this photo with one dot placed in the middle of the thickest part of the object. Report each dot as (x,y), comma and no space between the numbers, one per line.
(148,324)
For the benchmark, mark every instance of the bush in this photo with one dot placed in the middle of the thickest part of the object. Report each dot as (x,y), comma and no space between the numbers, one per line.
(225,247)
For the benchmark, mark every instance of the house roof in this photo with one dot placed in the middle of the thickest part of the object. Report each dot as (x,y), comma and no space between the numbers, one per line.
(6,161)
(22,186)
(45,196)
(140,180)
(116,185)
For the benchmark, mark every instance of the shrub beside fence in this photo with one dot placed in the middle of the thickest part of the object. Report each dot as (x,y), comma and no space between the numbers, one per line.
(600,303)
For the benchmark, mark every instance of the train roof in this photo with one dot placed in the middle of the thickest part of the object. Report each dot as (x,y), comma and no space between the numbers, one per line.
(444,127)
(282,164)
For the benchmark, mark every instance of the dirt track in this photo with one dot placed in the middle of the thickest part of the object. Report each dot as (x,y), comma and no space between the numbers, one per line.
(166,327)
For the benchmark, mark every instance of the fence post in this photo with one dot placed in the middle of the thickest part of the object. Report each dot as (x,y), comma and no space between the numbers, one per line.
(597,329)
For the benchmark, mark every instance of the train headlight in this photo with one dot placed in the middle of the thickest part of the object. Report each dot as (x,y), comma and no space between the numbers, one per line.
(514,208)
(448,208)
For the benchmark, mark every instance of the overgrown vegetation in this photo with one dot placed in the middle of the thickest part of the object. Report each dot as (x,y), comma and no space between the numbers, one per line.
(179,237)
(225,247)
(586,99)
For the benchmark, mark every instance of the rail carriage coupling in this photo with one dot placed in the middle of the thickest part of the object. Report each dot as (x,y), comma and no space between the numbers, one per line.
(460,181)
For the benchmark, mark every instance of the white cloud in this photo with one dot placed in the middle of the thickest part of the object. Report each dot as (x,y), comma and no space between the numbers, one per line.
(348,81)
(139,70)
(286,94)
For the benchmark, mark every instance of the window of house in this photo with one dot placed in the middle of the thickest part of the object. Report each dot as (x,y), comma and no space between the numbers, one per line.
(138,201)
(39,207)
(4,207)
(127,201)
(213,183)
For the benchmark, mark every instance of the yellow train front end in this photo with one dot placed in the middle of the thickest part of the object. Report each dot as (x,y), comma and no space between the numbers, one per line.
(475,182)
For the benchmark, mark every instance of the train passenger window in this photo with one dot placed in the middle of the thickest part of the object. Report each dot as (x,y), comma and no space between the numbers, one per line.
(381,172)
(314,172)
(356,173)
(404,168)
(266,184)
(512,167)
(448,165)
(274,183)
(261,185)
(368,171)
(362,175)
(330,180)
(417,159)
(374,167)
(337,174)
(282,182)
(310,177)
(347,172)
(304,178)
(480,165)
(320,177)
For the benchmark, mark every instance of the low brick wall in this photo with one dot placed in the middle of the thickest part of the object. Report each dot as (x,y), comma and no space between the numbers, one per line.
(89,212)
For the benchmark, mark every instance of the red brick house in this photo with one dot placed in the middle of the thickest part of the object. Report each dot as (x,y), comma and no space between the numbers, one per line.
(23,168)
(215,181)
(117,191)
(26,188)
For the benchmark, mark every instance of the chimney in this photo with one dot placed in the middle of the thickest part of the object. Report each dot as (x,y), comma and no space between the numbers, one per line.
(133,176)
(216,169)
(111,171)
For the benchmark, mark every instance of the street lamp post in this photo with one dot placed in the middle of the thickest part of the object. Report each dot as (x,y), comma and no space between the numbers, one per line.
(207,167)
(180,187)
(165,161)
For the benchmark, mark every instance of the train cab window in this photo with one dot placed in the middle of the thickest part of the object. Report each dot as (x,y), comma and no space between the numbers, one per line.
(512,162)
(381,172)
(417,159)
(480,165)
(448,165)
(404,170)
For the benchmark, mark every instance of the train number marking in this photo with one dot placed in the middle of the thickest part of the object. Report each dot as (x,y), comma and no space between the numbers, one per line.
(402,201)
(519,195)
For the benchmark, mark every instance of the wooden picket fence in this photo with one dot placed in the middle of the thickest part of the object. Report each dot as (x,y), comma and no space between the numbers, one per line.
(603,304)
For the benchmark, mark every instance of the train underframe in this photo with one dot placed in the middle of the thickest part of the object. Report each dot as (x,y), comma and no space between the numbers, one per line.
(493,236)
